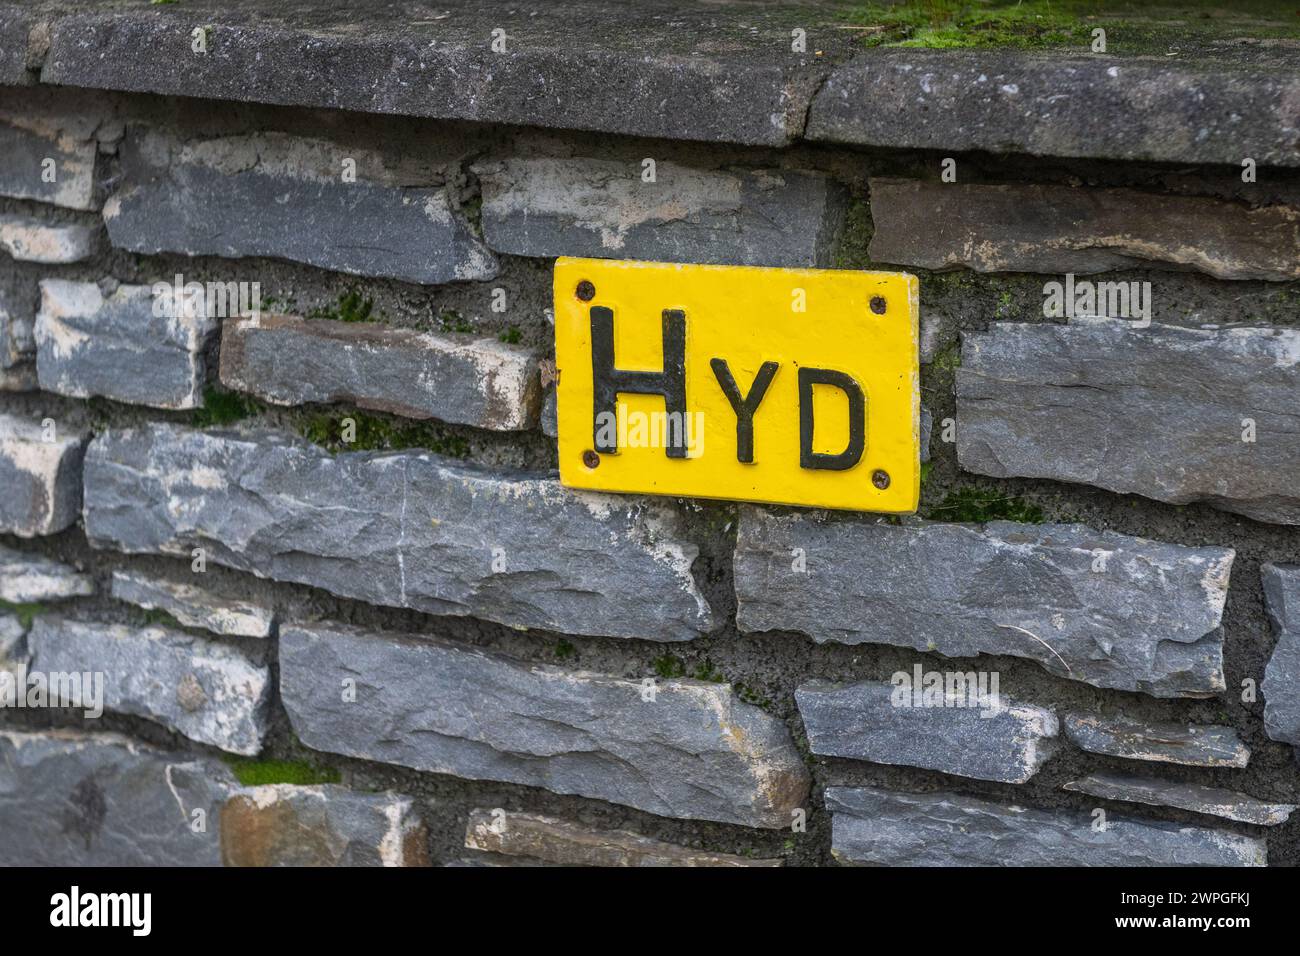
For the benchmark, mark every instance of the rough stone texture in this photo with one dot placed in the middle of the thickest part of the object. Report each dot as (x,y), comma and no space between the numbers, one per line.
(1060,229)
(42,480)
(676,70)
(117,347)
(203,690)
(454,378)
(13,646)
(28,239)
(694,751)
(273,195)
(1186,796)
(15,27)
(574,206)
(871,826)
(75,799)
(32,578)
(284,825)
(26,141)
(1148,621)
(399,529)
(1159,412)
(17,345)
(561,843)
(194,606)
(1195,746)
(1009,741)
(1281,686)
(1055,104)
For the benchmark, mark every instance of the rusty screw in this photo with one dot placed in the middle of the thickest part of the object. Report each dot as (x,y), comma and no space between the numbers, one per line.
(590,459)
(586,291)
(878,307)
(880,478)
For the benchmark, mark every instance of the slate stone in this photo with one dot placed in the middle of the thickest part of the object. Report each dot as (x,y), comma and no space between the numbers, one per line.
(194,606)
(929,224)
(561,843)
(694,751)
(124,346)
(681,71)
(42,479)
(1103,608)
(75,799)
(285,825)
(16,26)
(579,206)
(1057,104)
(1137,411)
(17,343)
(882,827)
(454,378)
(1185,796)
(27,578)
(205,691)
(993,739)
(27,140)
(1281,686)
(400,529)
(1196,745)
(13,645)
(270,195)
(28,239)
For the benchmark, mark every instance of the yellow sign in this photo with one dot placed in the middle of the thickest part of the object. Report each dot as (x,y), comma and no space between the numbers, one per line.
(785,386)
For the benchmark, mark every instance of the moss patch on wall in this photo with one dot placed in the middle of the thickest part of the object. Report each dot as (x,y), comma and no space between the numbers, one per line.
(257,773)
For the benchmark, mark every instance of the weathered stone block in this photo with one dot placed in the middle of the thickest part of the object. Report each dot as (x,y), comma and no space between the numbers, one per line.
(1203,745)
(125,346)
(883,827)
(685,749)
(194,606)
(284,825)
(292,361)
(42,479)
(1185,796)
(993,739)
(400,529)
(1094,606)
(17,344)
(206,691)
(278,196)
(28,140)
(75,799)
(28,239)
(1281,686)
(31,578)
(1178,415)
(561,843)
(1058,229)
(575,206)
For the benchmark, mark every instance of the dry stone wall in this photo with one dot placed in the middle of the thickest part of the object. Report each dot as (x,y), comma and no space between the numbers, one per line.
(341,611)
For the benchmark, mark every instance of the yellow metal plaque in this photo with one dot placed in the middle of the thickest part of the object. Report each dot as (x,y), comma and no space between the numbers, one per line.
(785,386)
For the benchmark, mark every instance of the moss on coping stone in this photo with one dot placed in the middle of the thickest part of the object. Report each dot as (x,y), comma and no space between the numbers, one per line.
(1132,26)
(259,773)
(223,408)
(376,433)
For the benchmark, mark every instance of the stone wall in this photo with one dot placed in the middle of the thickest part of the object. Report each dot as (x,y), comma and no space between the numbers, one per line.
(343,611)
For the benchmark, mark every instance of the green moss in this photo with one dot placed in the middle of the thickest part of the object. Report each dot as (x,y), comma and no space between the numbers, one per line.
(1132,26)
(751,696)
(511,336)
(978,505)
(222,408)
(378,433)
(668,667)
(26,613)
(564,649)
(926,466)
(949,359)
(258,773)
(855,237)
(351,307)
(707,672)
(160,618)
(453,321)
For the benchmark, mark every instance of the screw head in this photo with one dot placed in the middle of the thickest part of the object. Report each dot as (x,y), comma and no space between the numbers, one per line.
(586,291)
(878,304)
(590,459)
(880,478)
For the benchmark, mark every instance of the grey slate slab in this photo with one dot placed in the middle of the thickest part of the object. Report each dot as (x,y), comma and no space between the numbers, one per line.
(1281,686)
(30,578)
(42,478)
(27,141)
(1212,801)
(1196,745)
(193,605)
